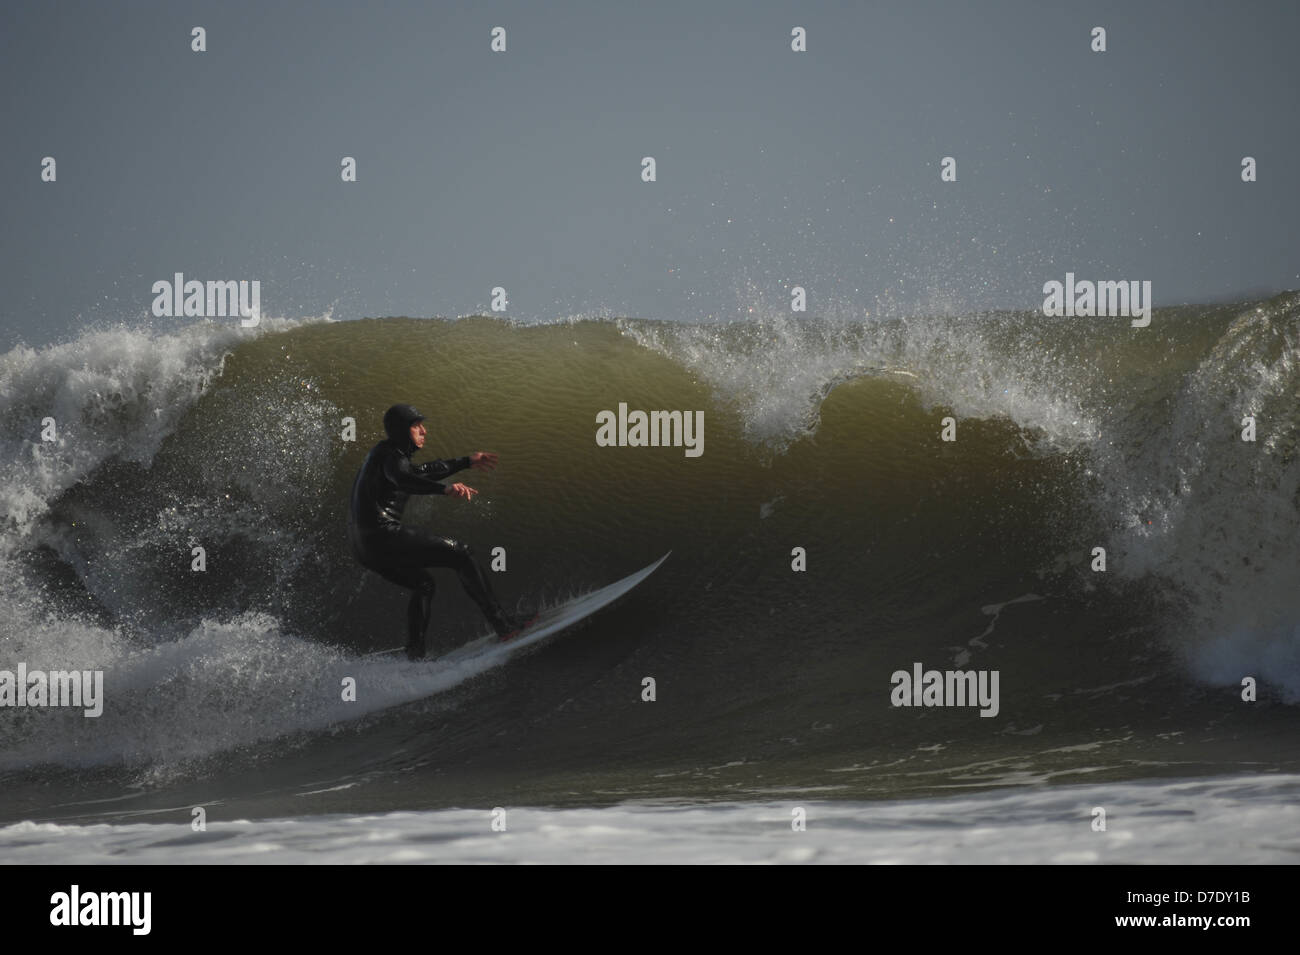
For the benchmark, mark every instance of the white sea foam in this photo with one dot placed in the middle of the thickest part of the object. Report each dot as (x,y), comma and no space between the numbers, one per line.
(1242,819)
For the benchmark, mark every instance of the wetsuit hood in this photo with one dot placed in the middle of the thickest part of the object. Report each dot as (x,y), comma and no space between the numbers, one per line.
(397,425)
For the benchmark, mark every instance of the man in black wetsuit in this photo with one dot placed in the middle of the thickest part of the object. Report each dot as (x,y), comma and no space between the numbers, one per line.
(402,554)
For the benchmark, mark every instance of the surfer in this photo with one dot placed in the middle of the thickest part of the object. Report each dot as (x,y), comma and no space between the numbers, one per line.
(404,555)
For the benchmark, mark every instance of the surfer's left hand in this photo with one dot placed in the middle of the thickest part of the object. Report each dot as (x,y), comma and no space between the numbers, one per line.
(483,460)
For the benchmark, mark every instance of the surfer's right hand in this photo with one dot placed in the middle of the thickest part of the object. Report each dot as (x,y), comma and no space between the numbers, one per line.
(462,490)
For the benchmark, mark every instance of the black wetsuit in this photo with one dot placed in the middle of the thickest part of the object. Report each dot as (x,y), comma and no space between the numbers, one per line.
(402,554)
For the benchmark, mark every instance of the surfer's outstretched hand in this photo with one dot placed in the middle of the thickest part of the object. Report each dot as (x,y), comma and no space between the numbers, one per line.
(462,490)
(483,460)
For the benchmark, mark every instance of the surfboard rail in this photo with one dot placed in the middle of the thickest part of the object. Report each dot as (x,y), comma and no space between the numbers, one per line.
(548,622)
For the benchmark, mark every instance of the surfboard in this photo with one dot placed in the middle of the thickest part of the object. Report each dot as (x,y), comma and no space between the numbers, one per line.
(548,622)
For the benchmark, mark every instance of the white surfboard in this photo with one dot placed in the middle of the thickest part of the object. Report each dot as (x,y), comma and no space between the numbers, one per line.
(547,623)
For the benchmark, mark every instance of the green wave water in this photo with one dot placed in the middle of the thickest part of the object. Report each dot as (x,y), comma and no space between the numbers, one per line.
(820,438)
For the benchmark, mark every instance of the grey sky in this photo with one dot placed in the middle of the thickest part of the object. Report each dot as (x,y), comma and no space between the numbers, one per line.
(522,169)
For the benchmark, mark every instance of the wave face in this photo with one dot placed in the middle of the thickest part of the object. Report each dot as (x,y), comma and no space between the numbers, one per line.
(1071,434)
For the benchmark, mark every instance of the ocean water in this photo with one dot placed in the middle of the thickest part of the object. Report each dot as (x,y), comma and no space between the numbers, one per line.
(1227,820)
(773,687)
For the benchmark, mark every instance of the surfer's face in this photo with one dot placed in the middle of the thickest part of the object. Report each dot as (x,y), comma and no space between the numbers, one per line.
(418,431)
